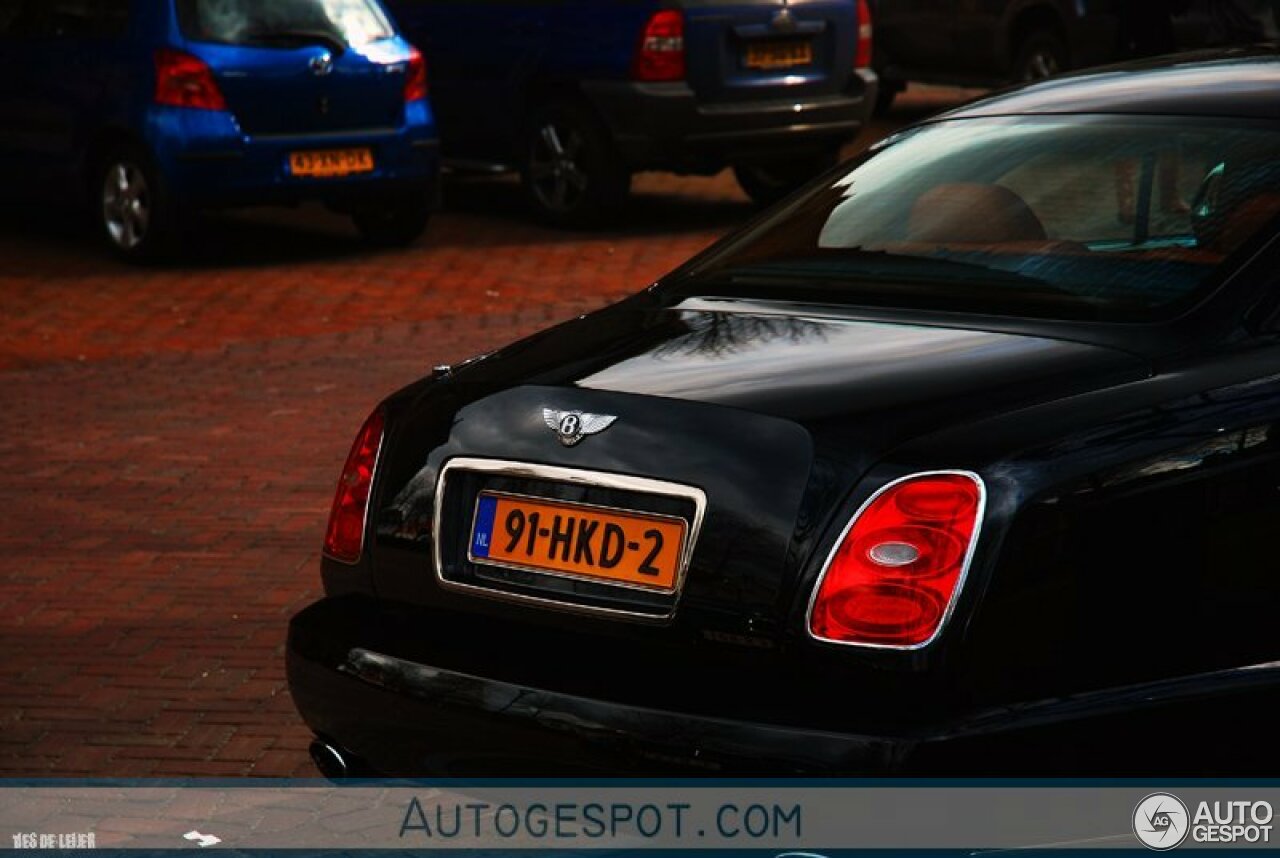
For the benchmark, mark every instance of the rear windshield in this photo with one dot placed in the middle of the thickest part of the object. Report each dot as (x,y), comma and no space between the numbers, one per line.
(284,23)
(1075,218)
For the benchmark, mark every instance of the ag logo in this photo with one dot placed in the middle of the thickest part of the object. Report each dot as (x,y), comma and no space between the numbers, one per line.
(573,426)
(1160,821)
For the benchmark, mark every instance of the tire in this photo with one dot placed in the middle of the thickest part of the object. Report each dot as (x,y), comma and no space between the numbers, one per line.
(885,96)
(393,223)
(572,175)
(768,183)
(1041,54)
(131,206)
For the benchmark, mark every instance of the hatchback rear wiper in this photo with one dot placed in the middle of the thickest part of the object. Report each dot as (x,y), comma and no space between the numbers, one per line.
(300,37)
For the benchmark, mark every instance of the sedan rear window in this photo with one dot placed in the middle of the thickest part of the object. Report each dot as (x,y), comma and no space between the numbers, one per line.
(284,23)
(1077,218)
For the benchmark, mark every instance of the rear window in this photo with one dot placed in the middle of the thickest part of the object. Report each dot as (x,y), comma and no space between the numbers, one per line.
(1076,218)
(284,23)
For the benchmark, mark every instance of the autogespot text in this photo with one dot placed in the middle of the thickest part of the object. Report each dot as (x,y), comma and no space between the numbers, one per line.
(432,820)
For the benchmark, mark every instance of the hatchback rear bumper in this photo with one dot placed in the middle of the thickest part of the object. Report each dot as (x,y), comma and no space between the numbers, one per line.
(213,164)
(666,125)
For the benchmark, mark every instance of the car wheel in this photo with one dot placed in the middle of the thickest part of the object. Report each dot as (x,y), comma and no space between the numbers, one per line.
(133,213)
(767,183)
(885,96)
(572,175)
(1041,54)
(396,223)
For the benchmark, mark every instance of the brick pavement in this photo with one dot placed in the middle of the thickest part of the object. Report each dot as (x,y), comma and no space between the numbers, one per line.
(169,441)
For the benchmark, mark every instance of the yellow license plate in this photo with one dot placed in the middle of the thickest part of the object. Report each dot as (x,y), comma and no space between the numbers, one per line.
(331,163)
(631,549)
(779,55)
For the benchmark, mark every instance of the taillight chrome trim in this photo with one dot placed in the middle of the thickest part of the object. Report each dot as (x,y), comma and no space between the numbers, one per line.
(373,483)
(576,476)
(979,517)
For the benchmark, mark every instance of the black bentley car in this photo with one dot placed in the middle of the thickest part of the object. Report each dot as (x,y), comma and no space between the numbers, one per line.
(964,460)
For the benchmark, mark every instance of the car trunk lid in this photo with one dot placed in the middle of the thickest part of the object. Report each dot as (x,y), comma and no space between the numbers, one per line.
(761,50)
(773,418)
(302,67)
(310,88)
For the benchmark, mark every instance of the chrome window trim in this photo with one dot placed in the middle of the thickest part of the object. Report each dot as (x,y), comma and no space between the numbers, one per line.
(979,518)
(373,480)
(573,476)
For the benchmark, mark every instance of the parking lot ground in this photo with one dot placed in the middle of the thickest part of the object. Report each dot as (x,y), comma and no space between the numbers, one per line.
(170,439)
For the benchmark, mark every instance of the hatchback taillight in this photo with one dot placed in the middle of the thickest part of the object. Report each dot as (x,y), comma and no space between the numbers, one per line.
(415,85)
(866,37)
(186,81)
(899,566)
(661,53)
(344,539)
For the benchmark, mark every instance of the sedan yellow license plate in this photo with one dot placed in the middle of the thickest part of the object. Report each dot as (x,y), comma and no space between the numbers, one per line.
(331,163)
(631,549)
(779,54)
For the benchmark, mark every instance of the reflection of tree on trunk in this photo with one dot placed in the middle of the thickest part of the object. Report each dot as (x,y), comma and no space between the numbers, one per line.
(721,334)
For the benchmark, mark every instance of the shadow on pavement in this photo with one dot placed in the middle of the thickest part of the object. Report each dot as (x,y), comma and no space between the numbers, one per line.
(660,204)
(478,212)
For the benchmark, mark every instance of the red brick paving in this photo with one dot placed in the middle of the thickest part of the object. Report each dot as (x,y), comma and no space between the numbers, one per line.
(169,441)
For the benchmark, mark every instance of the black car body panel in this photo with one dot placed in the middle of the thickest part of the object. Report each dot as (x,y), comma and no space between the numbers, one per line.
(980,43)
(1237,83)
(1120,594)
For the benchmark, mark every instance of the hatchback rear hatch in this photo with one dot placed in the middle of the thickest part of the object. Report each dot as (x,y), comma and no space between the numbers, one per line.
(303,66)
(749,50)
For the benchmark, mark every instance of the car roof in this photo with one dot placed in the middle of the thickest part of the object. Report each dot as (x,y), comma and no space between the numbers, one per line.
(1241,83)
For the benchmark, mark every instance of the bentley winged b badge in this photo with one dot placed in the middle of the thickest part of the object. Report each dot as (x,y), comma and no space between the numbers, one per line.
(573,426)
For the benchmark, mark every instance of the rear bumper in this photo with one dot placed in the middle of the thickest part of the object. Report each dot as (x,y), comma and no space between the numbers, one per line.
(365,681)
(666,126)
(208,162)
(405,718)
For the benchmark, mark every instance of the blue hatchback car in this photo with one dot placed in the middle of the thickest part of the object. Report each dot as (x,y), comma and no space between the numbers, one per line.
(156,108)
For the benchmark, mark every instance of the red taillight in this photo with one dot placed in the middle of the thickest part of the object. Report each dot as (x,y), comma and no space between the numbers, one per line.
(344,539)
(661,53)
(415,85)
(866,37)
(898,568)
(186,81)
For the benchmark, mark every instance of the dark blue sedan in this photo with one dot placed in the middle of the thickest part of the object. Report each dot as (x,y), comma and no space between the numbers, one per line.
(156,108)
(578,95)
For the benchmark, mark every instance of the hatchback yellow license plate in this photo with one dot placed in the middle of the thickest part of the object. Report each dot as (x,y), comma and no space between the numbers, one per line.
(779,54)
(331,163)
(631,549)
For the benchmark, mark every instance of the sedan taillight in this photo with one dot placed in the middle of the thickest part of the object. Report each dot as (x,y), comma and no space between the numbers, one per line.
(895,575)
(344,539)
(866,34)
(183,80)
(661,53)
(415,85)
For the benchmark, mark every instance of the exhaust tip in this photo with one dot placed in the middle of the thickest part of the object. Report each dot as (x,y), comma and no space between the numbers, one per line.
(331,762)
